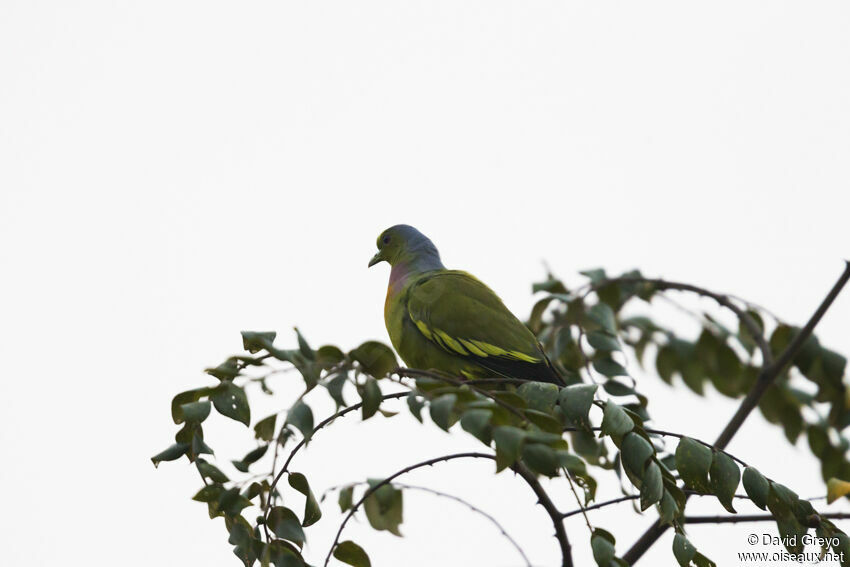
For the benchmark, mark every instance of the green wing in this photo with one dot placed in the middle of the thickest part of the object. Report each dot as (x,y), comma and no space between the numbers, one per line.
(466,318)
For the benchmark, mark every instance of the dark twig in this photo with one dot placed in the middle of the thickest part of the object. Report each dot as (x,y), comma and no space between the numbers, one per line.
(768,375)
(771,371)
(721,299)
(527,475)
(632,497)
(303,442)
(752,518)
(549,506)
(475,509)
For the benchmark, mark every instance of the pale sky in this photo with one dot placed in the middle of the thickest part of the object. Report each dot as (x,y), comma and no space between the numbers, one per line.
(174,172)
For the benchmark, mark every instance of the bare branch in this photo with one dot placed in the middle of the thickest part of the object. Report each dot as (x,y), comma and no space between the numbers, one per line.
(633,497)
(752,518)
(527,475)
(475,509)
(303,442)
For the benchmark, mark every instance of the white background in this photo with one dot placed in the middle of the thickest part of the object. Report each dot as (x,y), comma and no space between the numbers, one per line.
(174,172)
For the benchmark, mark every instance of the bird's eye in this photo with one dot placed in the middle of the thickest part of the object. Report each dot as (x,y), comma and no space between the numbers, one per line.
(386,240)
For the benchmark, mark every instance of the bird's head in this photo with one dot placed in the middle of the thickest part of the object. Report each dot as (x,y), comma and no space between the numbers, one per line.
(403,244)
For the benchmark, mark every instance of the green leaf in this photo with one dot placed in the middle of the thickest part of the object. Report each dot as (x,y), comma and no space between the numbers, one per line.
(184,398)
(230,401)
(210,471)
(231,503)
(227,370)
(312,511)
(744,335)
(352,554)
(552,285)
(669,510)
(540,459)
(756,487)
(683,550)
(441,410)
(384,507)
(346,498)
(171,454)
(635,451)
(665,363)
(781,502)
(281,554)
(509,442)
(538,395)
(328,356)
(609,367)
(303,347)
(596,275)
(603,315)
(285,525)
(653,485)
(250,458)
(301,416)
(253,341)
(335,386)
(693,461)
(198,445)
(603,341)
(835,489)
(209,493)
(195,411)
(264,429)
(602,544)
(724,478)
(376,358)
(371,395)
(477,422)
(615,420)
(415,403)
(576,400)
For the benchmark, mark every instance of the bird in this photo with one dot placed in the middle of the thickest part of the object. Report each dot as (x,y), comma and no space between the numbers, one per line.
(448,320)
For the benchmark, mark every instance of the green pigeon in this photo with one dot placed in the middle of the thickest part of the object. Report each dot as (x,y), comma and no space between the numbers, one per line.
(448,320)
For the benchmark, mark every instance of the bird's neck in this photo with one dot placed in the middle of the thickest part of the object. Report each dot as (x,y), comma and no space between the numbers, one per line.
(403,270)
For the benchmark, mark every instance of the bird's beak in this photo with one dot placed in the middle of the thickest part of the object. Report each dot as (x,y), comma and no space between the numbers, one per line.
(376,259)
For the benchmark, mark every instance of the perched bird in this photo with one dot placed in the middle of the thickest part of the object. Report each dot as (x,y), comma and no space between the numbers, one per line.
(449,321)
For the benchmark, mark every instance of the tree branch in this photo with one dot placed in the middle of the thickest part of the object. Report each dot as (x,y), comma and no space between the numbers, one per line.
(475,509)
(752,518)
(770,371)
(303,442)
(634,497)
(721,299)
(527,475)
(549,506)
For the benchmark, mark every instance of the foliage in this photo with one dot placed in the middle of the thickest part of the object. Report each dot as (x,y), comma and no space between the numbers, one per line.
(596,424)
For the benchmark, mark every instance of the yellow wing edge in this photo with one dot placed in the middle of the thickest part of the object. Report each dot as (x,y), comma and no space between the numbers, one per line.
(467,347)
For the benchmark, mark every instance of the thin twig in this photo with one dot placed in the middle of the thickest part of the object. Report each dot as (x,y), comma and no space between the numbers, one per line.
(721,299)
(527,475)
(458,499)
(581,507)
(752,518)
(633,497)
(303,442)
(475,509)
